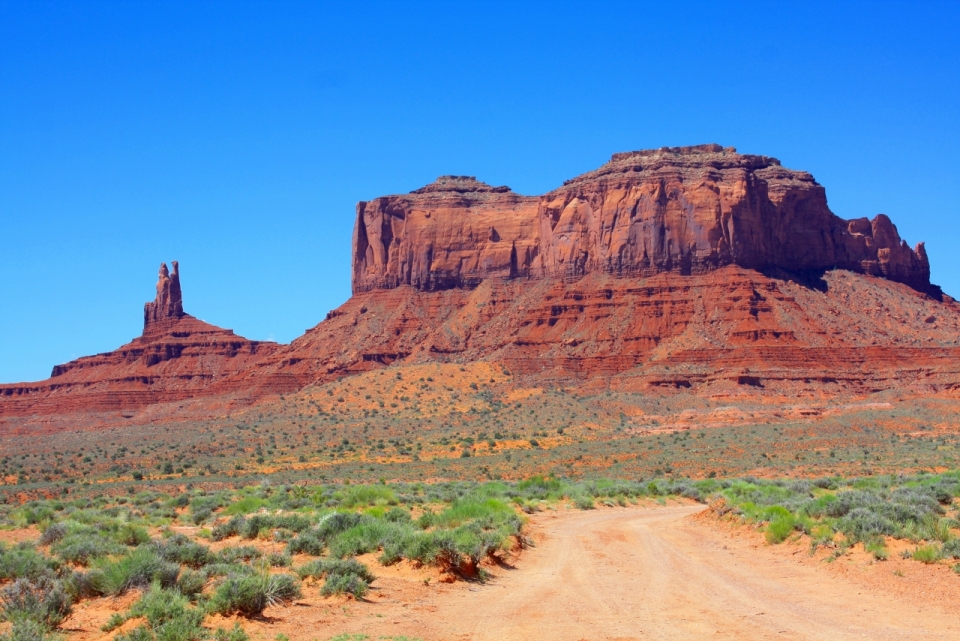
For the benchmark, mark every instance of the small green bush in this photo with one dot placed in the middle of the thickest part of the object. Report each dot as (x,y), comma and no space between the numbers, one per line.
(322,568)
(138,569)
(248,596)
(246,505)
(191,583)
(781,527)
(84,546)
(951,549)
(583,502)
(115,621)
(877,548)
(239,553)
(27,630)
(160,606)
(363,495)
(306,543)
(43,600)
(236,633)
(926,554)
(227,529)
(180,549)
(22,561)
(344,584)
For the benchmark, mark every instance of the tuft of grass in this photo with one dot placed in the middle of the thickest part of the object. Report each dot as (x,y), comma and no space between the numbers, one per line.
(926,553)
(364,495)
(245,505)
(877,548)
(114,622)
(138,569)
(236,633)
(782,524)
(249,596)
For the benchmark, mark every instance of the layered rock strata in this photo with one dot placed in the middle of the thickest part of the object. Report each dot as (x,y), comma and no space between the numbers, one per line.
(693,268)
(727,329)
(177,357)
(688,210)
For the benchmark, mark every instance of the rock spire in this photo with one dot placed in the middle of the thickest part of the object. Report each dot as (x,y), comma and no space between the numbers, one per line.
(169,301)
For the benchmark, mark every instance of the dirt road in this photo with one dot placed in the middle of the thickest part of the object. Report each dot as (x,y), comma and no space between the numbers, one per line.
(641,573)
(653,574)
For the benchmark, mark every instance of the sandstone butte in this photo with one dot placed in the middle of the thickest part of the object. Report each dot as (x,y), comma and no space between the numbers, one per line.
(176,357)
(692,268)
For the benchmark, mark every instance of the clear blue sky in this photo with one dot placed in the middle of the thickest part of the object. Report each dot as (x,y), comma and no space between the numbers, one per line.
(237,137)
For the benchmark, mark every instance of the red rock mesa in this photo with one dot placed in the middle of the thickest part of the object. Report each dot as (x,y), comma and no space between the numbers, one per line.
(693,268)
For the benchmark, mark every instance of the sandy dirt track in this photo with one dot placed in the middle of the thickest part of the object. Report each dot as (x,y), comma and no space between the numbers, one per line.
(653,574)
(636,573)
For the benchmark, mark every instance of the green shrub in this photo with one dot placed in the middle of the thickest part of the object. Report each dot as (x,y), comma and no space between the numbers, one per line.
(27,630)
(22,561)
(43,600)
(344,584)
(951,549)
(115,621)
(239,553)
(307,543)
(342,576)
(53,533)
(160,606)
(322,568)
(780,527)
(138,569)
(877,548)
(84,546)
(131,535)
(190,583)
(583,502)
(246,505)
(227,529)
(935,528)
(363,495)
(180,549)
(248,596)
(236,633)
(140,633)
(926,554)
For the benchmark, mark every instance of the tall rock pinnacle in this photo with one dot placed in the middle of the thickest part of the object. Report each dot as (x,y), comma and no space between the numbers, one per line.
(169,301)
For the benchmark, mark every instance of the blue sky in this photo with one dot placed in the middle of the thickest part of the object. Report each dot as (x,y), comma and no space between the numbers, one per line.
(237,137)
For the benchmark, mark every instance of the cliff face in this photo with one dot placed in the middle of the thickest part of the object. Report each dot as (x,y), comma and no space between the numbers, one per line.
(687,210)
(177,357)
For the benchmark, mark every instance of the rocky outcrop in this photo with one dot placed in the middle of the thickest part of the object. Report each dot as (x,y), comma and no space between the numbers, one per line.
(691,268)
(687,210)
(168,305)
(177,357)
